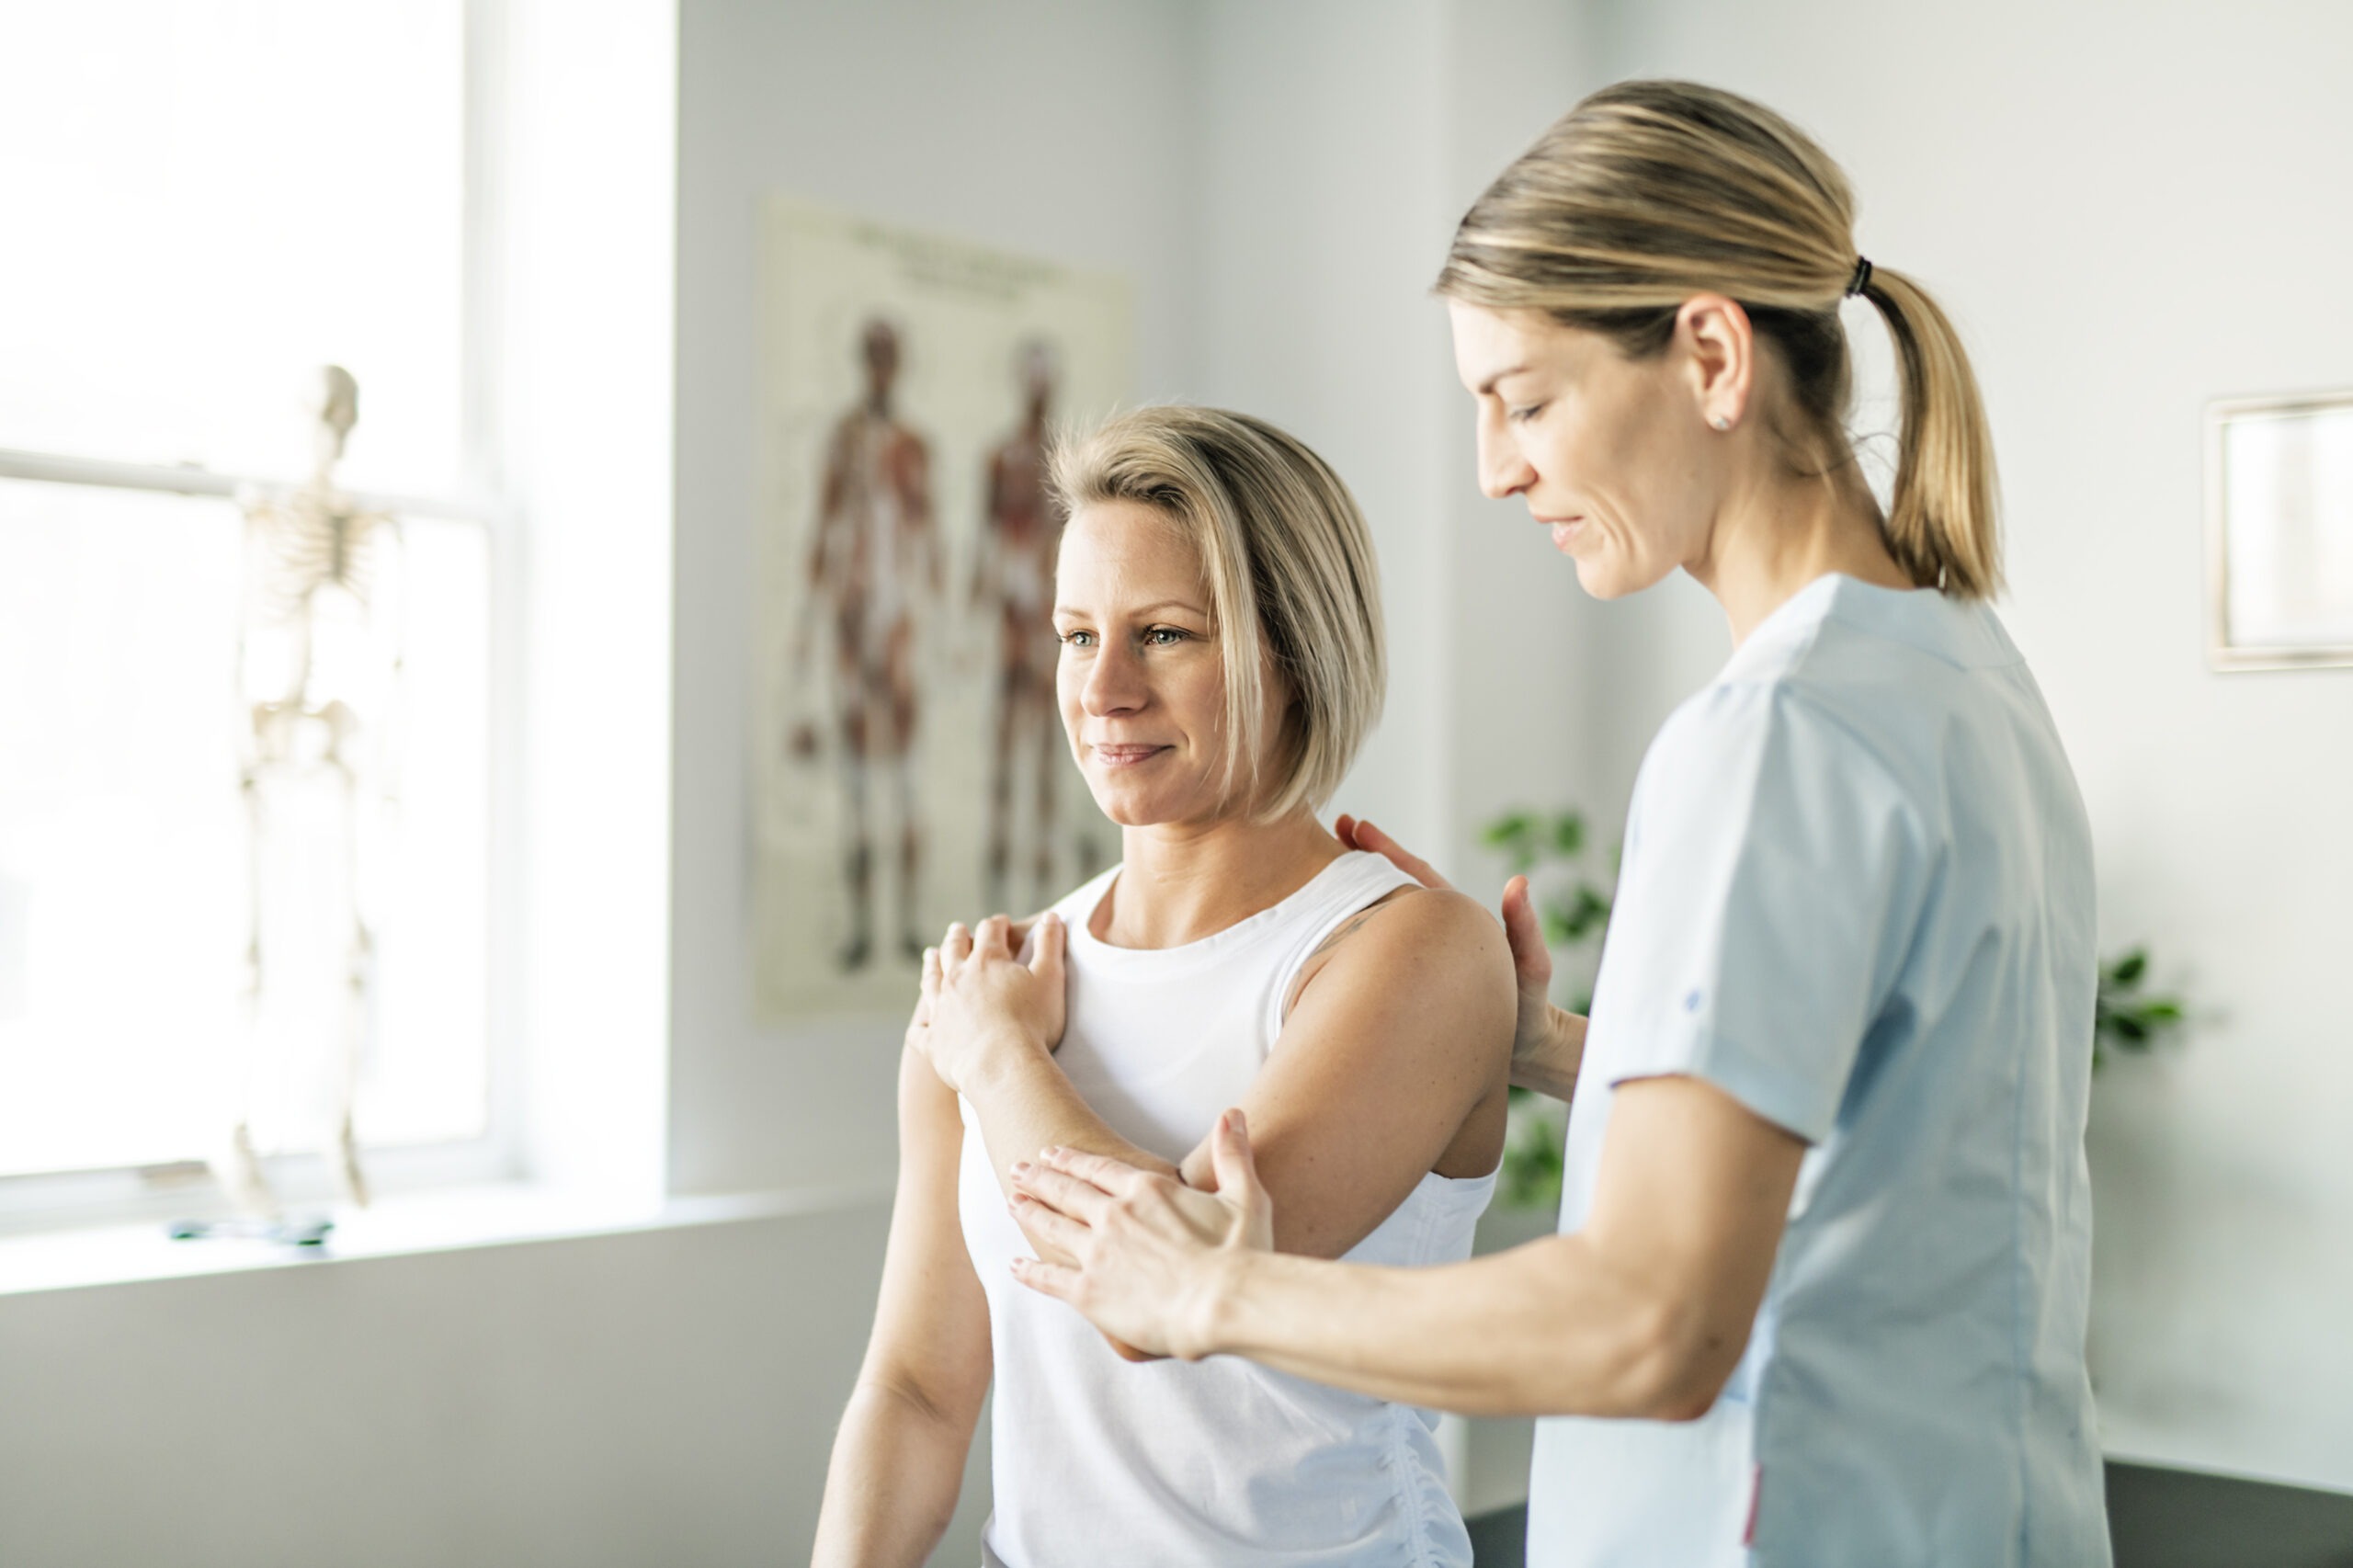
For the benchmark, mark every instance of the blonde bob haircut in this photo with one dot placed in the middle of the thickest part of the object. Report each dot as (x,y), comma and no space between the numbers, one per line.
(1288,566)
(1650,192)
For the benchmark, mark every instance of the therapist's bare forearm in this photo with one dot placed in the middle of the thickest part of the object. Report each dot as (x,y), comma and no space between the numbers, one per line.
(891,1487)
(1547,1329)
(1553,1069)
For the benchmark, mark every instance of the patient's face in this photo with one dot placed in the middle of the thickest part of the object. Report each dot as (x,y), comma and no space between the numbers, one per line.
(1140,682)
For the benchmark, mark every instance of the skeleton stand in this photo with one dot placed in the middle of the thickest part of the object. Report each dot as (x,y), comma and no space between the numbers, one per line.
(310,578)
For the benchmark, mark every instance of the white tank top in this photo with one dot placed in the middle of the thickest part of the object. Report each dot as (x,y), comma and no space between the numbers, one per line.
(1102,1463)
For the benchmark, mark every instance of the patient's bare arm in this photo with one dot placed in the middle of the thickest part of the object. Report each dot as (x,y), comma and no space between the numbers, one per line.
(1392,1064)
(988,1024)
(1547,1044)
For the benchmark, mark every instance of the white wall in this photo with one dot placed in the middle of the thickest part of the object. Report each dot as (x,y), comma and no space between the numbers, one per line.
(612,1402)
(1323,136)
(575,192)
(1341,143)
(1524,705)
(1059,128)
(2131,211)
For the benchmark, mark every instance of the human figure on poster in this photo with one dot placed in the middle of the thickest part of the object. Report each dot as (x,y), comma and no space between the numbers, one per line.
(873,565)
(318,680)
(1013,577)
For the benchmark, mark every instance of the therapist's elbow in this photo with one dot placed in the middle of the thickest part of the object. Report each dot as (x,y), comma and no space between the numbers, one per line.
(1679,1358)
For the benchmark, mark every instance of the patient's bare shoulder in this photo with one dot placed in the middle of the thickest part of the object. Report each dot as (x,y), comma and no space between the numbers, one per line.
(1431,935)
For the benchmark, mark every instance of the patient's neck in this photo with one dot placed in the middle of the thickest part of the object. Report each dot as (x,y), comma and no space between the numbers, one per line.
(1181,883)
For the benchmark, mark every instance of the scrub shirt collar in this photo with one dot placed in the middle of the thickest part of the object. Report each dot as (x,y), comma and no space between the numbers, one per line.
(1961,633)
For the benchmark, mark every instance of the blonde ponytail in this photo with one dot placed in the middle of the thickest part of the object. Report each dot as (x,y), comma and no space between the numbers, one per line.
(1941,523)
(1650,192)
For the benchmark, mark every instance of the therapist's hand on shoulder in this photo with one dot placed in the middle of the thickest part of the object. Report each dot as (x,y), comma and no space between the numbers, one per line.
(1152,1252)
(979,999)
(1549,1041)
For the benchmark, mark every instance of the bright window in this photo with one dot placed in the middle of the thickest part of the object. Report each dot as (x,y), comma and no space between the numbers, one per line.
(208,199)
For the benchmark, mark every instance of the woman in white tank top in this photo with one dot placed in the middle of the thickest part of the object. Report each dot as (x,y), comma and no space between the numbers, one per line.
(1216,601)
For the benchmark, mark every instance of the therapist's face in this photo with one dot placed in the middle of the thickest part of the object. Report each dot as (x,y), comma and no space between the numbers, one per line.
(1141,680)
(1608,452)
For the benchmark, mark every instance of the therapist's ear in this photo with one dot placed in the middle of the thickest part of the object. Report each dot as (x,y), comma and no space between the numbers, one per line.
(1716,346)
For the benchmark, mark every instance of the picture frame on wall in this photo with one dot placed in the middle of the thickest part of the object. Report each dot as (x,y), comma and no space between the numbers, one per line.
(2279,531)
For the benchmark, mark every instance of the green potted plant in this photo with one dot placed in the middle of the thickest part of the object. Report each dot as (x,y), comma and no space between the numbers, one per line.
(2124,1019)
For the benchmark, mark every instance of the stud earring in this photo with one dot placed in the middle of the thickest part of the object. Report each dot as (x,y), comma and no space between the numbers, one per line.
(1722,422)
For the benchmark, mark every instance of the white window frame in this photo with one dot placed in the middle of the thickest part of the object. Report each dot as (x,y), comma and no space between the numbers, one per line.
(45,1201)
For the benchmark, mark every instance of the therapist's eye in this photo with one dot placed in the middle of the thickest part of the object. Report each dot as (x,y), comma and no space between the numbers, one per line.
(1523,415)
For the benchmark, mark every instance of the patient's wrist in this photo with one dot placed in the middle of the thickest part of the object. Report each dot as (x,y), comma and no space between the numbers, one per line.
(994,1055)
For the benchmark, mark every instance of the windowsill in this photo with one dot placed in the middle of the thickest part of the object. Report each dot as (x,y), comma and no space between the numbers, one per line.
(504,1214)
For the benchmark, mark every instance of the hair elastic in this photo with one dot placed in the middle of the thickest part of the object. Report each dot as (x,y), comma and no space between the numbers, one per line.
(1862,277)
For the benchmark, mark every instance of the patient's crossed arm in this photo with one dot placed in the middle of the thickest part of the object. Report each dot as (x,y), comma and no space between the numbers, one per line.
(1392,1064)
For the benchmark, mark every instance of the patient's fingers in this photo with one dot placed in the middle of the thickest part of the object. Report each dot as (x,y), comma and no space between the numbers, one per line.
(1054,939)
(1062,1194)
(992,937)
(954,947)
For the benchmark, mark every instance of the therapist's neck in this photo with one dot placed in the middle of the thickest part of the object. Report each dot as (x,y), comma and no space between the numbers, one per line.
(1776,531)
(1181,881)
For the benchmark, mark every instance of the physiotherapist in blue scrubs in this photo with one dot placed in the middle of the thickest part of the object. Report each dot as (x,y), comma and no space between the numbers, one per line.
(1818,1295)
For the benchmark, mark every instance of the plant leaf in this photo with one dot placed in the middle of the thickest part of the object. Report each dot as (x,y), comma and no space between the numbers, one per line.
(1506,830)
(1568,834)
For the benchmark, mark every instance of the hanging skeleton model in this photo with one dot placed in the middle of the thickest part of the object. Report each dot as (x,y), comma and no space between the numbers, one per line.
(318,676)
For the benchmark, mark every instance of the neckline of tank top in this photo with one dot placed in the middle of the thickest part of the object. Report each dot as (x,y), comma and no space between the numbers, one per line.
(1350,864)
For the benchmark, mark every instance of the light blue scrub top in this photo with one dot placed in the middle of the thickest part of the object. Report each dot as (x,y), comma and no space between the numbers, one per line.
(1856,896)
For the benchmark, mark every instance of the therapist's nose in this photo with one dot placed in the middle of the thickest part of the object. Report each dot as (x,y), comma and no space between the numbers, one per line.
(1502,469)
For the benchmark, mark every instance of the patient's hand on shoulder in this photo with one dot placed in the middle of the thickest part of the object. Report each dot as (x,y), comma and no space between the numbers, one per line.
(979,999)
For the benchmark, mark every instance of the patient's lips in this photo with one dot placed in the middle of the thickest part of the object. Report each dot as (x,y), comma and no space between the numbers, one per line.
(1126,754)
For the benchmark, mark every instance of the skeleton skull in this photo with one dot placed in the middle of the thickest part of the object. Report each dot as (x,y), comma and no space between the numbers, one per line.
(333,401)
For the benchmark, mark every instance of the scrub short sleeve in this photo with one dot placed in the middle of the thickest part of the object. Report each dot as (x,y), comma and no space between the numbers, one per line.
(1770,885)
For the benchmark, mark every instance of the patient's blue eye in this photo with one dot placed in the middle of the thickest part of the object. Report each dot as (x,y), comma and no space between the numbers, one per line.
(1076,638)
(1162,636)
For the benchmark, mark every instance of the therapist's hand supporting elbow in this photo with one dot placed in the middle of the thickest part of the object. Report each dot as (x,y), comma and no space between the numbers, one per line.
(1644,1311)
